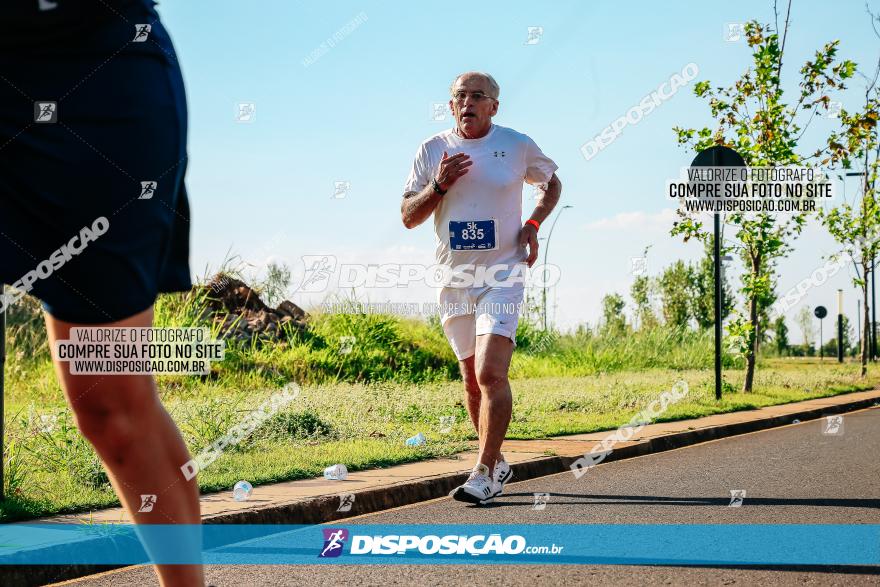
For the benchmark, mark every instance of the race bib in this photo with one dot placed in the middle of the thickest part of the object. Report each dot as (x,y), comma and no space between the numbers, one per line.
(472,235)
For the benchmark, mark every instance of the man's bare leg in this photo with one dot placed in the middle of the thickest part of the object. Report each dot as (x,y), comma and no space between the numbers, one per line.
(472,393)
(492,363)
(139,444)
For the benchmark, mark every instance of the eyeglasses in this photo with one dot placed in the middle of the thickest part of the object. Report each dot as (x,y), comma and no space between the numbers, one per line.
(461,96)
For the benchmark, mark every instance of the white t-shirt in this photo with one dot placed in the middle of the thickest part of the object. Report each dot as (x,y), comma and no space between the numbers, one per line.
(486,200)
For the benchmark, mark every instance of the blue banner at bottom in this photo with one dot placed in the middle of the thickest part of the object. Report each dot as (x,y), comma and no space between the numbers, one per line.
(640,544)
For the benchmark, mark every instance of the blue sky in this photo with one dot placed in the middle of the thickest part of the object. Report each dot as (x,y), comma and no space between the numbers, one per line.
(358,113)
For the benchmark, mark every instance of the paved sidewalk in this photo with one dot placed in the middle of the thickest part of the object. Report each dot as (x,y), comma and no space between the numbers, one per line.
(311,501)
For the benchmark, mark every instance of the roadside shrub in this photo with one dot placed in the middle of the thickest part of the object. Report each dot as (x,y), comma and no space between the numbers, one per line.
(295,426)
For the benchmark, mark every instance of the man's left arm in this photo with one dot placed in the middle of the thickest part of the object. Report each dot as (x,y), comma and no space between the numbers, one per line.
(547,200)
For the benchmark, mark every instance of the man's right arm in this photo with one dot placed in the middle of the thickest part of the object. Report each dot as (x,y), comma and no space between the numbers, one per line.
(418,206)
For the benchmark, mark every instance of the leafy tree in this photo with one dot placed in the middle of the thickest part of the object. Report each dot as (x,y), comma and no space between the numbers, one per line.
(613,319)
(687,292)
(804,319)
(764,315)
(857,227)
(830,347)
(676,288)
(640,292)
(703,302)
(780,331)
(847,335)
(754,119)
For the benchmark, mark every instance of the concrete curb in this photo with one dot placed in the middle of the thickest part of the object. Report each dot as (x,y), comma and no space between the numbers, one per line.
(322,509)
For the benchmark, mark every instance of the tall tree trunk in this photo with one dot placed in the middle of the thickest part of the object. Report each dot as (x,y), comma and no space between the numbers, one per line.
(866,324)
(753,320)
(753,348)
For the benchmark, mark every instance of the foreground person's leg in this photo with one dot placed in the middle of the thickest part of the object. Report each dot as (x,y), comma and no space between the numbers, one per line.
(140,446)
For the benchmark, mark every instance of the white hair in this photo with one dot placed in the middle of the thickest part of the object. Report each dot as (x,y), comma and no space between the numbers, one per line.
(494,88)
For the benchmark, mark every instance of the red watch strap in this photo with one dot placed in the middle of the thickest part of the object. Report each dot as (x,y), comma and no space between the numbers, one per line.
(534,223)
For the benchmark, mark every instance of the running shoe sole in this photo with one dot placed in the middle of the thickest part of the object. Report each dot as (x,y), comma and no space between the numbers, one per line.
(459,494)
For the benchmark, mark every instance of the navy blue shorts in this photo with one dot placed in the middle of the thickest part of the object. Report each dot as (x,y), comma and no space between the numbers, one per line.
(94,218)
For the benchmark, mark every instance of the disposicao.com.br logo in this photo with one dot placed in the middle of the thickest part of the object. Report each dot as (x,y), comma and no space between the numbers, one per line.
(394,544)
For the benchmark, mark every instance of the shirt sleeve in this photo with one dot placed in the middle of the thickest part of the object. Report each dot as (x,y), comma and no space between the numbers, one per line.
(539,167)
(420,172)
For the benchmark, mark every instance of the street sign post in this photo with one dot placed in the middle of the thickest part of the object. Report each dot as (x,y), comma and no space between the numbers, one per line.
(718,156)
(820,312)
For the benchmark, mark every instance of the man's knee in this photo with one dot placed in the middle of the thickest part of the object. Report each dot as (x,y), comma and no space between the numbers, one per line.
(491,377)
(115,416)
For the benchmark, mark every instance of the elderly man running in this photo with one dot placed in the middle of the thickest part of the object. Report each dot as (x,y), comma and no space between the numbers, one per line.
(470,178)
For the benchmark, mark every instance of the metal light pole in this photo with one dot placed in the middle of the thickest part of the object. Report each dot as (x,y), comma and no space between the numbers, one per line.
(873,312)
(840,326)
(546,250)
(718,292)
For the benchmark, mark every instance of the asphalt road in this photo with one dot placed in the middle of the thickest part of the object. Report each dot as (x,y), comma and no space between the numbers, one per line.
(791,475)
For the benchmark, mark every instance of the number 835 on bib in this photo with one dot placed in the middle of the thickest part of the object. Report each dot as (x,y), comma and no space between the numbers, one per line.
(472,235)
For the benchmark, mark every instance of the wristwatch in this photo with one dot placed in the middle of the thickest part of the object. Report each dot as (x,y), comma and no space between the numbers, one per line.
(437,187)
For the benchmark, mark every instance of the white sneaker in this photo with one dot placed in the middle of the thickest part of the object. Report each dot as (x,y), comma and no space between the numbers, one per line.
(477,489)
(501,475)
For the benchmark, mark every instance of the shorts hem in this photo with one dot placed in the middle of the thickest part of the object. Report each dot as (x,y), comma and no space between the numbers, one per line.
(500,332)
(96,317)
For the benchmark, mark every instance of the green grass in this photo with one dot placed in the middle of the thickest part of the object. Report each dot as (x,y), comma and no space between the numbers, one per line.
(365,425)
(358,408)
(585,352)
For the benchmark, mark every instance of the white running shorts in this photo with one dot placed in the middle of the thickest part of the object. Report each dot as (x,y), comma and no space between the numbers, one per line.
(471,312)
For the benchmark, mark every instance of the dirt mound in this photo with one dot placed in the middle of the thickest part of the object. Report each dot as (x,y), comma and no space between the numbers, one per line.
(242,315)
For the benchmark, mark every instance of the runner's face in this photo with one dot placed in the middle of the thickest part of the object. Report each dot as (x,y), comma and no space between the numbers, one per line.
(473,117)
